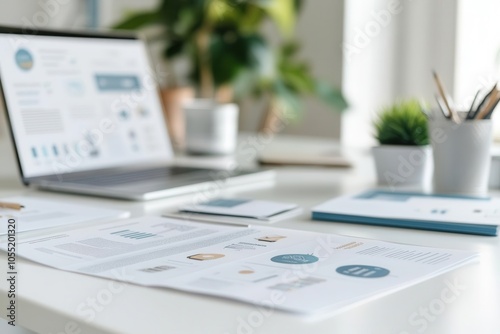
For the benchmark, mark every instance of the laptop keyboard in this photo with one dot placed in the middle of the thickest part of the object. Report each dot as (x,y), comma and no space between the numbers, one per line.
(107,178)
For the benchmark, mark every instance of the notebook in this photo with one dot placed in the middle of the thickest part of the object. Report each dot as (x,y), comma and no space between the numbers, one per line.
(447,213)
(237,211)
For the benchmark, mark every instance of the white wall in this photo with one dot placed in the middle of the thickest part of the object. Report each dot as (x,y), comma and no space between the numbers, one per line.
(391,48)
(319,30)
(11,12)
(368,68)
(42,13)
(112,11)
(478,51)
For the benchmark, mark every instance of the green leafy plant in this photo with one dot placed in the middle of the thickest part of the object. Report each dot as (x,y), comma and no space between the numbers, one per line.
(228,52)
(221,38)
(293,79)
(403,123)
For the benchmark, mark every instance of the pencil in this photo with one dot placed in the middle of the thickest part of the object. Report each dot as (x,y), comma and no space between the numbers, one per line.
(483,101)
(471,113)
(13,206)
(452,112)
(490,105)
(488,115)
(440,105)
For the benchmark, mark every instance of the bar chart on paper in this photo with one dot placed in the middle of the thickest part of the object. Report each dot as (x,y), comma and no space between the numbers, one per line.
(133,234)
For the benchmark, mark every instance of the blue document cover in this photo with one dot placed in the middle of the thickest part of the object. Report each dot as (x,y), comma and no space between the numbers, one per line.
(460,214)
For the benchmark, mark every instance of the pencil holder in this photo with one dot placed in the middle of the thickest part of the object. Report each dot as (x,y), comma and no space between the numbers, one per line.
(462,156)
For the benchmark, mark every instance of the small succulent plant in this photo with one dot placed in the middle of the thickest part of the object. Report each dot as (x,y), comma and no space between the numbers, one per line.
(403,123)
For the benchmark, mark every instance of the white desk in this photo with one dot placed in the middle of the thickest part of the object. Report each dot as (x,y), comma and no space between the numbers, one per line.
(49,299)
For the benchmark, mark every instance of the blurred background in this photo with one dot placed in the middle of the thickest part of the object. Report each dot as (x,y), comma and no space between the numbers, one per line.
(375,51)
(334,63)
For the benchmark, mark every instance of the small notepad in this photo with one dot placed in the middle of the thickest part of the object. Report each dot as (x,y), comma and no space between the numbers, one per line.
(244,209)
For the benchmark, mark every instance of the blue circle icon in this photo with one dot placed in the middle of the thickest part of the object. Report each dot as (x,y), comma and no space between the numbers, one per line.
(24,59)
(295,259)
(363,271)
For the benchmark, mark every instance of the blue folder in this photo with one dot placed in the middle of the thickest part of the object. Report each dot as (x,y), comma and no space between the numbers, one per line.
(477,228)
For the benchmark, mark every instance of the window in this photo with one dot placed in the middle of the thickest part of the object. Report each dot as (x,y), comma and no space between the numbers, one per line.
(477,64)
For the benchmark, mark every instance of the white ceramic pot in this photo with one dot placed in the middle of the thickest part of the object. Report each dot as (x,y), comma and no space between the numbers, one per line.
(495,172)
(211,128)
(403,166)
(462,156)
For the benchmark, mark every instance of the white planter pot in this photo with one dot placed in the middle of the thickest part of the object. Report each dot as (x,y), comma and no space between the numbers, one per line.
(462,156)
(403,166)
(211,128)
(495,172)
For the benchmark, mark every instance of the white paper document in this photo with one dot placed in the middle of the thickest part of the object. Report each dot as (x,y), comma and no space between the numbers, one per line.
(244,208)
(296,271)
(38,214)
(237,211)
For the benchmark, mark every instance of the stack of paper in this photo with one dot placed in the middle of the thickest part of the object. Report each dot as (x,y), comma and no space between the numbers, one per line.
(296,271)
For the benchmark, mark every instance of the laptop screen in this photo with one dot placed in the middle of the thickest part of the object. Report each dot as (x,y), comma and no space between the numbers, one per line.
(79,103)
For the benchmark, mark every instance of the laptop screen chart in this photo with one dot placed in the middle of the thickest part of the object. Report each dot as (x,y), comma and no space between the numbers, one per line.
(81,103)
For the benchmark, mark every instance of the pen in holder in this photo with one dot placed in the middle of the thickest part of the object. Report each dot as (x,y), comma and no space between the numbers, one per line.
(461,143)
(462,155)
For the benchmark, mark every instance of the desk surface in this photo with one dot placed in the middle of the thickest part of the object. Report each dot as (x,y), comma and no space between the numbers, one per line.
(54,301)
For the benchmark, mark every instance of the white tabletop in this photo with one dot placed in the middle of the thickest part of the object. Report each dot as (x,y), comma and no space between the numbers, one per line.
(54,301)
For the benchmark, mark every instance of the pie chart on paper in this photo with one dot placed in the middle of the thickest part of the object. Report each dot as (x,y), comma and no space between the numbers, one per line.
(295,259)
(363,271)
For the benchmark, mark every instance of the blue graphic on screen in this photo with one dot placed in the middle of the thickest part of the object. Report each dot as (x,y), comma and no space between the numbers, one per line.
(117,82)
(363,271)
(295,258)
(226,203)
(133,234)
(24,59)
(75,88)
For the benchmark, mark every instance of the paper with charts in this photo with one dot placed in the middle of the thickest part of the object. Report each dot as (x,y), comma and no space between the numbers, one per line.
(295,271)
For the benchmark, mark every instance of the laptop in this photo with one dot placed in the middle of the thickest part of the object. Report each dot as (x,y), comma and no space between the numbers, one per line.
(85,117)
